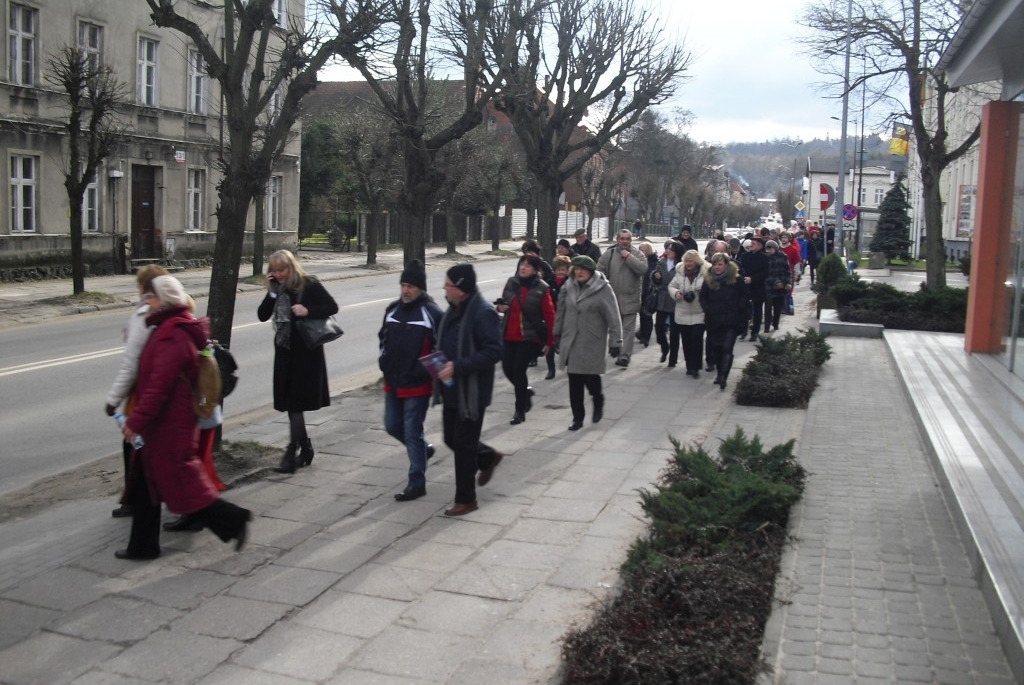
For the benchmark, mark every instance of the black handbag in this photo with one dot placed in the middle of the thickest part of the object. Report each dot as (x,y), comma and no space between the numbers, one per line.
(316,332)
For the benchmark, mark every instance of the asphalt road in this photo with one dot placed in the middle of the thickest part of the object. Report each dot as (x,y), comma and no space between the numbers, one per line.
(55,374)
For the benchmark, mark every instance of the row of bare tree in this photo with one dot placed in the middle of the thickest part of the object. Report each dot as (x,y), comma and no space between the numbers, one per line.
(552,67)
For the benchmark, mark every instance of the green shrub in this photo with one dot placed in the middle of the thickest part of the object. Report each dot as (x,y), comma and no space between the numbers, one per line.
(784,372)
(829,271)
(932,308)
(697,590)
(965,264)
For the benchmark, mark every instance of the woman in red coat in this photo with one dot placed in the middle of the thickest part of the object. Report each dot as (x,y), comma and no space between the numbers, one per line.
(167,468)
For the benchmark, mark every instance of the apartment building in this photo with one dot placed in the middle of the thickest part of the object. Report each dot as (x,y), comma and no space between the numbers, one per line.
(156,196)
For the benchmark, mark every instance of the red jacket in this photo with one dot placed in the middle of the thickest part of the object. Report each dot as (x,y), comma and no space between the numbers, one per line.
(792,253)
(163,414)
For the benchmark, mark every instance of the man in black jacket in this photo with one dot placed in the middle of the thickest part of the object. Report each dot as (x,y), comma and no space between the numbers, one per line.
(408,333)
(754,267)
(585,247)
(470,338)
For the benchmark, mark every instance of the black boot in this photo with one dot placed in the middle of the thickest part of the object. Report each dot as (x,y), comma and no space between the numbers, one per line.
(598,407)
(723,370)
(288,462)
(306,452)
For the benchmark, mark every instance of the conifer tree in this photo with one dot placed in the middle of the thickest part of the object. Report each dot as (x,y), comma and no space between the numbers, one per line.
(892,236)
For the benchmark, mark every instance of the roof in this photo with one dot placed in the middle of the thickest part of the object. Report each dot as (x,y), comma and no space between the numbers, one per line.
(986,47)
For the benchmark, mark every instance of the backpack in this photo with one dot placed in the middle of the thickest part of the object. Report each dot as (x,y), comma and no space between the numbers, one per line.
(206,393)
(227,365)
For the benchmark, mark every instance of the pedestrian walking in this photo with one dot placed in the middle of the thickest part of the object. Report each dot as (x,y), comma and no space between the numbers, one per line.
(561,266)
(407,333)
(776,285)
(136,333)
(723,299)
(584,246)
(647,296)
(664,305)
(470,339)
(167,467)
(754,265)
(588,319)
(300,372)
(624,266)
(527,329)
(688,317)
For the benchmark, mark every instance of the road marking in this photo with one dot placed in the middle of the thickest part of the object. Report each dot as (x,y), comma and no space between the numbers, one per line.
(35,366)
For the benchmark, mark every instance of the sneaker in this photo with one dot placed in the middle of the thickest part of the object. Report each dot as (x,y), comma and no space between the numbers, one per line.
(623,362)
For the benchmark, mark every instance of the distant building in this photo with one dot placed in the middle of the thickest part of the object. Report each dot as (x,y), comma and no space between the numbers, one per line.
(159,192)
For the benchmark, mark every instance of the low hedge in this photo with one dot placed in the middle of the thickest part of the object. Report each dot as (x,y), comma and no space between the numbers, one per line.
(697,590)
(784,372)
(932,308)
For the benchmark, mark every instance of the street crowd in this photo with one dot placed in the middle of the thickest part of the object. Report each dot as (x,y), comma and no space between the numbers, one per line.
(586,309)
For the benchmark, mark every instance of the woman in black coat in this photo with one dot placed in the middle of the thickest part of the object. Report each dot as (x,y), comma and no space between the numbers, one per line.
(300,373)
(723,297)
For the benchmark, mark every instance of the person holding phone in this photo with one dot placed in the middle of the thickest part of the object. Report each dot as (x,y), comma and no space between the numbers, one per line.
(300,373)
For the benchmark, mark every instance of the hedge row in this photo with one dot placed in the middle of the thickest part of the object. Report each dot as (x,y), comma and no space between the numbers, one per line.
(784,372)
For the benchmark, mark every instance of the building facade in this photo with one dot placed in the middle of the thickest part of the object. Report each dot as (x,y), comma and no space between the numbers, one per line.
(156,197)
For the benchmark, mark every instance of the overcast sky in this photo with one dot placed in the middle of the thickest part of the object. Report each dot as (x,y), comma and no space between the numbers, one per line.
(749,83)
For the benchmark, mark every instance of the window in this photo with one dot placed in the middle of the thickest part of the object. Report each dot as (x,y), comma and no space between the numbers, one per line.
(279,14)
(274,204)
(196,183)
(21,34)
(146,76)
(274,106)
(196,83)
(90,41)
(879,196)
(24,171)
(90,207)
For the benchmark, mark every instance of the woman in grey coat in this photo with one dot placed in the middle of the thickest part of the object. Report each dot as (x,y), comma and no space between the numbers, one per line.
(587,320)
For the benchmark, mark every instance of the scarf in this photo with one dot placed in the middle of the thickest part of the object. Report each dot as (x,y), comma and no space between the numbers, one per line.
(283,320)
(467,387)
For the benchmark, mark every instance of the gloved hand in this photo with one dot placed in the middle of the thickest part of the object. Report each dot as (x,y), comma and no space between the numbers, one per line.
(613,352)
(110,409)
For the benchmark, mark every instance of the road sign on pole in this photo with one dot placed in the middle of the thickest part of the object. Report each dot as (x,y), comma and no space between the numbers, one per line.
(849,212)
(799,206)
(828,195)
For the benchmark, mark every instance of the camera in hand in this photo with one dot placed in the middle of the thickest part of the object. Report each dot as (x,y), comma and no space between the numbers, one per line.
(689,296)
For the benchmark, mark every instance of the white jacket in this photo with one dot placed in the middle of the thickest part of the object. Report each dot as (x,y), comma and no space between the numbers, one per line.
(136,333)
(686,313)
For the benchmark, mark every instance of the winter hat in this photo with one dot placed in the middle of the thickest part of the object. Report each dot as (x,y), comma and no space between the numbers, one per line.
(415,274)
(463,277)
(169,291)
(580,231)
(564,243)
(585,262)
(772,244)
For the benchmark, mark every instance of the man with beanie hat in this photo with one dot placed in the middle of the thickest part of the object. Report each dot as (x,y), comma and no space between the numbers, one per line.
(470,338)
(408,332)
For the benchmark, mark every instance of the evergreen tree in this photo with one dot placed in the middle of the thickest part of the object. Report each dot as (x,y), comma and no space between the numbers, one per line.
(892,235)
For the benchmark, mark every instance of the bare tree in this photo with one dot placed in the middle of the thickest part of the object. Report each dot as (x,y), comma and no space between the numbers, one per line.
(257,62)
(580,73)
(899,42)
(92,96)
(602,182)
(399,68)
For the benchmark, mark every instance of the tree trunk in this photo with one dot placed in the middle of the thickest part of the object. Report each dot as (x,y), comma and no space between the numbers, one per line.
(449,225)
(372,231)
(547,218)
(257,236)
(227,256)
(77,267)
(495,230)
(935,246)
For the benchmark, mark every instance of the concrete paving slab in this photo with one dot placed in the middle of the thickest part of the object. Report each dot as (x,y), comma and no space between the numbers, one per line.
(466,615)
(116,619)
(172,656)
(236,618)
(418,654)
(52,659)
(357,615)
(292,586)
(299,651)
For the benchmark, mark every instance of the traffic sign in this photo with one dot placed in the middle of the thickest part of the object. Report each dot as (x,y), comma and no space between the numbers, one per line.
(799,206)
(799,214)
(849,212)
(828,195)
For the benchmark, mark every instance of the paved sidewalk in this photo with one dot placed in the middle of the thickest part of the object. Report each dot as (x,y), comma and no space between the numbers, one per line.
(342,585)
